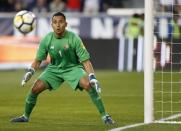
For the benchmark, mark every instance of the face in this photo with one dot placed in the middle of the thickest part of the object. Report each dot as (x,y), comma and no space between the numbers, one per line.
(59,24)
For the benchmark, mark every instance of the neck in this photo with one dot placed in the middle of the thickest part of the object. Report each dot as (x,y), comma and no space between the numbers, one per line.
(60,35)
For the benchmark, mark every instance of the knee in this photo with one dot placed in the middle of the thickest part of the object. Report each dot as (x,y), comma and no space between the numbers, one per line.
(38,87)
(34,91)
(86,85)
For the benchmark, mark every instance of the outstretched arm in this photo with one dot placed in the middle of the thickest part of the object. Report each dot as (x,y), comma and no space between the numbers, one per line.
(92,78)
(88,66)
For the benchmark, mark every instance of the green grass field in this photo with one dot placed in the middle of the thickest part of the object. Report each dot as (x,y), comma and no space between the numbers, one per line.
(68,110)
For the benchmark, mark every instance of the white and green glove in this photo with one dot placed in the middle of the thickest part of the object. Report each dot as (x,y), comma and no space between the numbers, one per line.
(27,76)
(94,82)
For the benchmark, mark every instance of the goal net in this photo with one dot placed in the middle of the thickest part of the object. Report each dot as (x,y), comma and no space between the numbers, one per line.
(167,62)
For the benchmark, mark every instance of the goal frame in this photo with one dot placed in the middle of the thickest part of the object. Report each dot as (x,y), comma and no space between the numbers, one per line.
(148,62)
(148,69)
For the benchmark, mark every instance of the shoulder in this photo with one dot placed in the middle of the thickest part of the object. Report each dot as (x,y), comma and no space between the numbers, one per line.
(46,40)
(73,37)
(47,37)
(72,34)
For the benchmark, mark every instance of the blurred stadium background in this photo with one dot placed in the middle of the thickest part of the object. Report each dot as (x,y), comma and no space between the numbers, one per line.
(113,32)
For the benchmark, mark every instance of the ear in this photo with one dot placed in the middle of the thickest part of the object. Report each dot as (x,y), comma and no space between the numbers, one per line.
(66,24)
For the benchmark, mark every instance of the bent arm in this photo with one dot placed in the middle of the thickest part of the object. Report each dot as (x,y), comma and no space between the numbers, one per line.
(88,66)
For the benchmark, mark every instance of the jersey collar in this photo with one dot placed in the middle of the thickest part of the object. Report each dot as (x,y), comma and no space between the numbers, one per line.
(59,37)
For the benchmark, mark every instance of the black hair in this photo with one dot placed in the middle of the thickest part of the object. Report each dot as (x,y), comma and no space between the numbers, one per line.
(59,14)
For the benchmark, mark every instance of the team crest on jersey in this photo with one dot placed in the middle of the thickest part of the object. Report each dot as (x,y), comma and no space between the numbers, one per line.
(52,47)
(66,46)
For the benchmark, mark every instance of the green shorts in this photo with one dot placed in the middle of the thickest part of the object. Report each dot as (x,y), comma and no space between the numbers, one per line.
(54,77)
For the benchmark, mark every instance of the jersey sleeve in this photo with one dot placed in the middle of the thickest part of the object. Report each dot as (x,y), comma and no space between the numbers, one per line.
(42,51)
(81,51)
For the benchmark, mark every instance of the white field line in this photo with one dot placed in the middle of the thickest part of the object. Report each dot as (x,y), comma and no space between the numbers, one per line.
(166,120)
(170,117)
(163,120)
(128,126)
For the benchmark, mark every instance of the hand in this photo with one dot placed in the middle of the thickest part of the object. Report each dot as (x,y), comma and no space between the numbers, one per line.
(94,82)
(27,76)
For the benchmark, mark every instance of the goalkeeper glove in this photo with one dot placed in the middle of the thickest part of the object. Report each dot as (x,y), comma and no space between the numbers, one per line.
(27,76)
(94,82)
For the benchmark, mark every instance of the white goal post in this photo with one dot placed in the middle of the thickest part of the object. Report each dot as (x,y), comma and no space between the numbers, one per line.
(148,62)
(162,84)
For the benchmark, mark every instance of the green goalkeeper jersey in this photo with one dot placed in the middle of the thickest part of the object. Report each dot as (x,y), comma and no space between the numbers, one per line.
(65,52)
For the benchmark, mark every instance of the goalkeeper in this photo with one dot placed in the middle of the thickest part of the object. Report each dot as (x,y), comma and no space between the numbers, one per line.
(69,62)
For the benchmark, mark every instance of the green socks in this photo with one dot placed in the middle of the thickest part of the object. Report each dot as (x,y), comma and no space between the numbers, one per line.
(30,103)
(96,99)
(32,98)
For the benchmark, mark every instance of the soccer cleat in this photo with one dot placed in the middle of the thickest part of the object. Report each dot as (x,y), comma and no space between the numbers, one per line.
(108,120)
(20,119)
